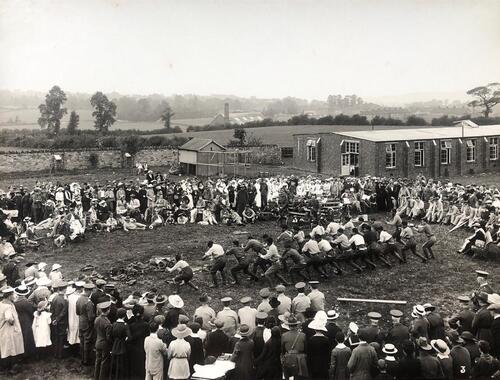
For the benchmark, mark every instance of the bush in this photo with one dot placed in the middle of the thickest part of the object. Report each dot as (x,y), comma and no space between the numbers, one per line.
(93,160)
(156,141)
(109,142)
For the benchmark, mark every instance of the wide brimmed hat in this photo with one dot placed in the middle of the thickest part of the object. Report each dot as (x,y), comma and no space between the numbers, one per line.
(292,321)
(42,266)
(418,311)
(205,298)
(466,335)
(331,315)
(424,344)
(389,349)
(22,290)
(176,301)
(244,330)
(42,305)
(181,331)
(56,266)
(246,300)
(160,299)
(70,290)
(429,307)
(317,325)
(440,346)
(353,327)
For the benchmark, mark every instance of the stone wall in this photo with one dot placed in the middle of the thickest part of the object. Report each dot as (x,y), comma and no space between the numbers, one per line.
(36,161)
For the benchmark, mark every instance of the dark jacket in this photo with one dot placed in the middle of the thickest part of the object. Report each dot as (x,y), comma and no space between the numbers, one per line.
(216,343)
(59,310)
(102,327)
(120,332)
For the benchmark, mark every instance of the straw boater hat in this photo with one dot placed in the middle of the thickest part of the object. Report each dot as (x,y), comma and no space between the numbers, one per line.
(440,346)
(56,266)
(175,301)
(418,311)
(389,349)
(332,315)
(424,344)
(22,290)
(181,331)
(160,299)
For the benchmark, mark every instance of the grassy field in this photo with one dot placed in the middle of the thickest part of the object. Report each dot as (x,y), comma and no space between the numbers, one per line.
(438,282)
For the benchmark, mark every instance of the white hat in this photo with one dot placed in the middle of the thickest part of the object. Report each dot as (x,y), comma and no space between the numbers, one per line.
(317,325)
(56,266)
(321,316)
(176,301)
(42,265)
(353,327)
(331,315)
(70,290)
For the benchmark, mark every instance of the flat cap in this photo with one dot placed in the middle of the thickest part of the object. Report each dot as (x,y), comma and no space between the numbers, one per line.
(396,313)
(464,298)
(261,315)
(104,305)
(374,315)
(280,288)
(265,292)
(226,299)
(300,285)
(88,286)
(246,300)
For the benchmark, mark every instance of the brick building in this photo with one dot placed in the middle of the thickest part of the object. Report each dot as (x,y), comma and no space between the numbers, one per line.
(434,152)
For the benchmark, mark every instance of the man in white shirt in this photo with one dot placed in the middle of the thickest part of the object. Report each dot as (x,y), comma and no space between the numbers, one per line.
(317,298)
(205,312)
(216,254)
(332,228)
(275,259)
(315,259)
(318,229)
(388,243)
(285,301)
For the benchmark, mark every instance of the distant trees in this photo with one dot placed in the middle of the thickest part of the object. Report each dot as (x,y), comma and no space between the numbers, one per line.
(166,118)
(486,97)
(52,111)
(104,112)
(415,120)
(240,134)
(74,121)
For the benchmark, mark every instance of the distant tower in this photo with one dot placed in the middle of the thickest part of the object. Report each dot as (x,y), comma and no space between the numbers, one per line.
(226,113)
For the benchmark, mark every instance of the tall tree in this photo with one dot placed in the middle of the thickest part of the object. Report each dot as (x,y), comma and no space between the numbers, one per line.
(167,115)
(52,111)
(487,97)
(104,112)
(74,121)
(240,134)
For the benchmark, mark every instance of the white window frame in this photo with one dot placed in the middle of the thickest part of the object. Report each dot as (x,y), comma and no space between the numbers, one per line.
(493,148)
(351,147)
(446,149)
(311,153)
(390,155)
(419,153)
(470,150)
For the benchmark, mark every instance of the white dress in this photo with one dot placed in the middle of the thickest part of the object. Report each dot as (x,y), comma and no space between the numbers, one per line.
(73,319)
(258,197)
(41,329)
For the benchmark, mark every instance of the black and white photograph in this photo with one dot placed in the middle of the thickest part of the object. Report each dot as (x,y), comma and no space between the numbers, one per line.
(249,189)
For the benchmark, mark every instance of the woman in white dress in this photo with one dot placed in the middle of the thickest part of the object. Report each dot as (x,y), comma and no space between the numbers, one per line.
(73,319)
(258,196)
(178,352)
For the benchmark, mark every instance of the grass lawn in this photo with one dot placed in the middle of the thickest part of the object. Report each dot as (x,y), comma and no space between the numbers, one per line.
(439,281)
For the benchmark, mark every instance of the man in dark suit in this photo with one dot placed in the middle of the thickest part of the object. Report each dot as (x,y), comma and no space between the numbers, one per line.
(59,310)
(372,332)
(102,327)
(258,334)
(216,342)
(436,323)
(495,329)
(398,333)
(86,316)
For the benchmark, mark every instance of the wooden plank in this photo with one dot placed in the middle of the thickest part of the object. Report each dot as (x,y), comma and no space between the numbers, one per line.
(394,302)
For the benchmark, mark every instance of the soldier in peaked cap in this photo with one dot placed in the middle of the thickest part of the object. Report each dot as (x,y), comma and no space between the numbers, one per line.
(86,316)
(229,317)
(317,297)
(301,302)
(102,327)
(59,310)
(398,332)
(462,320)
(258,335)
(372,333)
(264,306)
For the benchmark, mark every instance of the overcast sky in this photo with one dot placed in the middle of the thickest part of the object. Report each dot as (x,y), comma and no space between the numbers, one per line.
(267,48)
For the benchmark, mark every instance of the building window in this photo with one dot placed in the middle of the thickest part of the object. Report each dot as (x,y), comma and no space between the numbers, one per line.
(286,152)
(471,150)
(390,156)
(350,147)
(445,152)
(419,153)
(493,148)
(311,150)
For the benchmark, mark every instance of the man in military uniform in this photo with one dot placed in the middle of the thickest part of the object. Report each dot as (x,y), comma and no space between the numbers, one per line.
(398,332)
(317,297)
(102,327)
(436,323)
(462,320)
(372,333)
(301,302)
(86,316)
(229,317)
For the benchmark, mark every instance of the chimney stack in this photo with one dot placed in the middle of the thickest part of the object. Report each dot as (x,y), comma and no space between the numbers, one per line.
(226,113)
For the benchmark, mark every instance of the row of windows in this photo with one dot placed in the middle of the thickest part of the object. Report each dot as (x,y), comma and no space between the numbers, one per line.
(445,152)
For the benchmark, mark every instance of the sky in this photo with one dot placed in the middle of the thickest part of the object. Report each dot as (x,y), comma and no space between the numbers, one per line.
(262,48)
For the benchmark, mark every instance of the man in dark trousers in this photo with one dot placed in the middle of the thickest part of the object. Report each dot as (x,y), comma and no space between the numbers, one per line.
(462,320)
(102,327)
(258,334)
(398,333)
(86,316)
(495,329)
(59,310)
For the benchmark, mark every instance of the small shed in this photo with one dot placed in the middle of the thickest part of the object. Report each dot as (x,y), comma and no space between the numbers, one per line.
(194,156)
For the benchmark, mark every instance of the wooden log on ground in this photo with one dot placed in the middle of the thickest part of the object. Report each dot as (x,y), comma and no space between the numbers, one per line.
(393,302)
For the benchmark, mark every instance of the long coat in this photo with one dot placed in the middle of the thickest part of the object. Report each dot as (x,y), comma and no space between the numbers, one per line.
(73,319)
(139,330)
(269,362)
(11,336)
(318,356)
(244,360)
(361,362)
(25,311)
